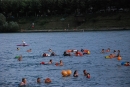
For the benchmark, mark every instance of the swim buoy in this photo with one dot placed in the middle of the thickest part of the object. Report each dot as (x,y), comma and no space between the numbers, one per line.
(69,51)
(64,73)
(42,63)
(122,63)
(119,58)
(69,72)
(78,54)
(86,52)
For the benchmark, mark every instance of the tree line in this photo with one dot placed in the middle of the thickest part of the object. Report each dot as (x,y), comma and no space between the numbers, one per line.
(21,8)
(10,9)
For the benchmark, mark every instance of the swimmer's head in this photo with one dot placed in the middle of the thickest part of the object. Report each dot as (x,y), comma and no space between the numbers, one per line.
(38,80)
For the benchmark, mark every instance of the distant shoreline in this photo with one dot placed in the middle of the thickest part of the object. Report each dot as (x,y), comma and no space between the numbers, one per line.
(74,30)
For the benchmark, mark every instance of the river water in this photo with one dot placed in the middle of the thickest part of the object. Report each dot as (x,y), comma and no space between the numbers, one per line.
(104,72)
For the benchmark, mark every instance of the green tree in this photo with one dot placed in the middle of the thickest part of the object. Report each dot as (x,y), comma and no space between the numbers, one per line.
(2,21)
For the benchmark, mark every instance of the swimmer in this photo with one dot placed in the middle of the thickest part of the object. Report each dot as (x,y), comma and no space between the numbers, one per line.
(47,80)
(24,43)
(82,50)
(85,51)
(20,58)
(50,62)
(114,53)
(85,72)
(50,50)
(45,55)
(111,56)
(77,52)
(127,64)
(24,82)
(66,54)
(38,80)
(61,63)
(103,51)
(88,75)
(108,50)
(75,73)
(29,50)
(18,48)
(53,54)
(118,54)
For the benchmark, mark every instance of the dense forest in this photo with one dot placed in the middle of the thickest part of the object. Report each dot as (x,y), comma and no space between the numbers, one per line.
(18,8)
(28,8)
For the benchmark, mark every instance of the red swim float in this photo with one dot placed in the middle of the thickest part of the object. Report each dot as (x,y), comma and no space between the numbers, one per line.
(69,51)
(47,80)
(42,63)
(78,54)
(57,64)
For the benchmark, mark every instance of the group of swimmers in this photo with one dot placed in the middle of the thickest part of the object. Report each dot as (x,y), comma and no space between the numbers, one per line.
(75,74)
(20,57)
(50,62)
(24,81)
(48,80)
(107,50)
(70,52)
(112,55)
